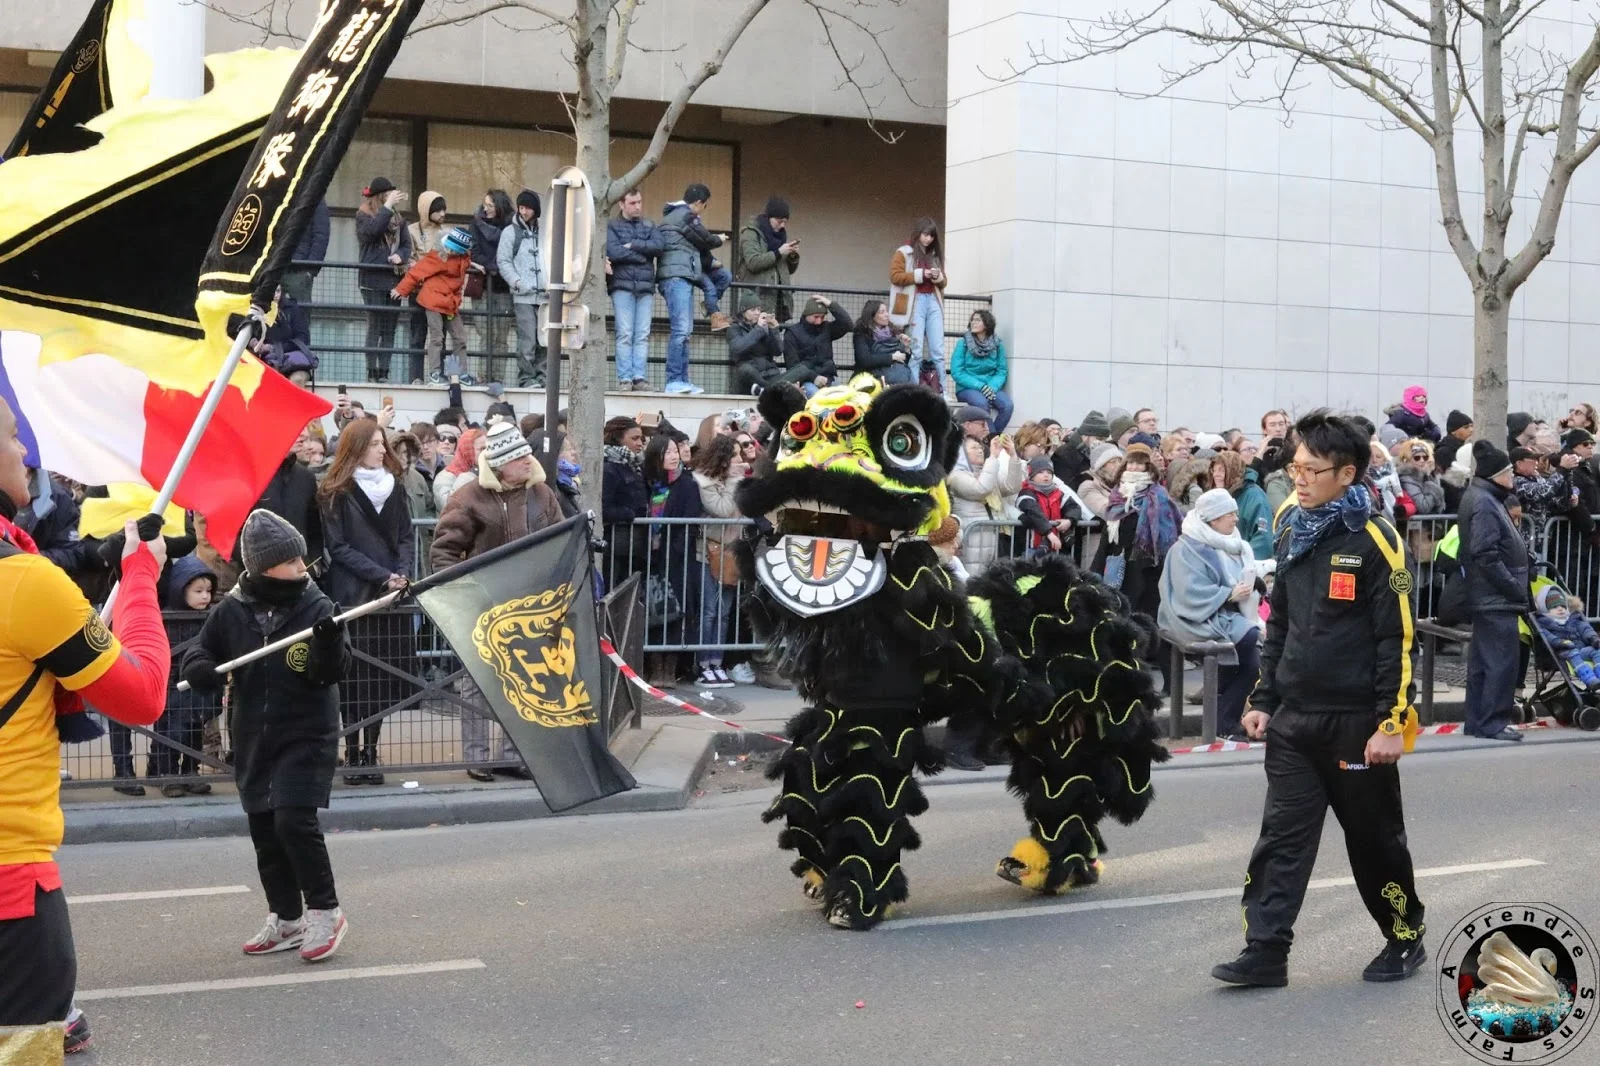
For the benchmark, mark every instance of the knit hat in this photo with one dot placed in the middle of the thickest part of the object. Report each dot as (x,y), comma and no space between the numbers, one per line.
(458,241)
(377,187)
(1140,452)
(1207,442)
(1103,454)
(1456,421)
(1551,597)
(1214,503)
(814,306)
(1576,437)
(1118,425)
(1040,464)
(777,207)
(1390,435)
(504,444)
(1149,440)
(529,198)
(1489,461)
(267,541)
(748,299)
(1094,424)
(1517,422)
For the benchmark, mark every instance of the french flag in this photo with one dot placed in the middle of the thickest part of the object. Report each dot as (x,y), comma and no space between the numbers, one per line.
(100,420)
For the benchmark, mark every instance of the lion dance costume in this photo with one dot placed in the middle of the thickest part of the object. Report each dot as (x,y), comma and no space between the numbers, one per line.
(882,640)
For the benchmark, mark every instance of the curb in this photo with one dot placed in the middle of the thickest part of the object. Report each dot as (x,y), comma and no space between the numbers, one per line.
(666,771)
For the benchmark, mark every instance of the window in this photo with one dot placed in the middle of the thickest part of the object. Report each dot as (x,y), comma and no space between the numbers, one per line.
(466,161)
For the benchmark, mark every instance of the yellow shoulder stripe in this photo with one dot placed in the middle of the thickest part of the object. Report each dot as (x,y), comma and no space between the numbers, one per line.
(1388,541)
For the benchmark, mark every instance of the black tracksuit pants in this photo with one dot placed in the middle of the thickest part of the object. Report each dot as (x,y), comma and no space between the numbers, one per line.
(38,967)
(1314,762)
(292,859)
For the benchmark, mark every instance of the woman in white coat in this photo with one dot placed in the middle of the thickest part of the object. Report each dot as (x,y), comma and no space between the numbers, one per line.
(981,488)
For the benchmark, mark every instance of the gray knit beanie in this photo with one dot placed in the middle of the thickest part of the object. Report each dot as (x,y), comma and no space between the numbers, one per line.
(268,540)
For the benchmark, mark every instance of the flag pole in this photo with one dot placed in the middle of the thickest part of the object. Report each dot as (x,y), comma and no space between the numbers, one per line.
(202,421)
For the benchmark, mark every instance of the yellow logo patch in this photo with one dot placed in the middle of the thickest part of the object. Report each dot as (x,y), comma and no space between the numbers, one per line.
(1400,582)
(534,655)
(96,633)
(298,656)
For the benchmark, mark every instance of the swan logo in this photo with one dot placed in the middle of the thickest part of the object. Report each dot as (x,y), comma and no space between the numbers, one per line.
(1518,983)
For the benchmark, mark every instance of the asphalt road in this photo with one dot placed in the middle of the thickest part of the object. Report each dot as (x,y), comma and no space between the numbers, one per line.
(681,938)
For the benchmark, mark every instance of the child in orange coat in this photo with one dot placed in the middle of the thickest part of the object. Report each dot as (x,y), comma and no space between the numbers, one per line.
(438,279)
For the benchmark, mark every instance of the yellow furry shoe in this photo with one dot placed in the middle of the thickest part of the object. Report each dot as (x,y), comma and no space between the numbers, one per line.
(1028,865)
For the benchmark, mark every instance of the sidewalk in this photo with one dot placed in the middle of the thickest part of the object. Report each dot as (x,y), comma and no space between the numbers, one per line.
(667,756)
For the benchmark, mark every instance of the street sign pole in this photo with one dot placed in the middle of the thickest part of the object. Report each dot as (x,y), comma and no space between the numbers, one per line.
(570,234)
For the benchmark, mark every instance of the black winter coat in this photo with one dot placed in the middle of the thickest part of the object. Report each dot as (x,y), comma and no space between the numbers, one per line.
(313,246)
(364,546)
(486,241)
(56,534)
(283,710)
(292,496)
(1492,551)
(811,347)
(633,269)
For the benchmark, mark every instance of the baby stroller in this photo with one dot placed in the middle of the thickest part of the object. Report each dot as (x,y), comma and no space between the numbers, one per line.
(1556,690)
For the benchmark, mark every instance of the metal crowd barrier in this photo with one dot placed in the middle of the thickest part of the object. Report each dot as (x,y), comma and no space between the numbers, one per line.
(339,317)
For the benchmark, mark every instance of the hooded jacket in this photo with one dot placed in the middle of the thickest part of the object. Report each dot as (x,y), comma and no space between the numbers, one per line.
(521,263)
(283,710)
(484,514)
(684,242)
(439,280)
(425,236)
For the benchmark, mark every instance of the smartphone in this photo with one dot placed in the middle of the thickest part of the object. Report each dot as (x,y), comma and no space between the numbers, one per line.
(344,390)
(388,401)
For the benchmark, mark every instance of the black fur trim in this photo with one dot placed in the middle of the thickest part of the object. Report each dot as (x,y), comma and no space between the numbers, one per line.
(931,411)
(777,403)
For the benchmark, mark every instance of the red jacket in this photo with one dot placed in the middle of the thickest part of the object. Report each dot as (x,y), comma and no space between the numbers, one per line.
(441,280)
(1039,511)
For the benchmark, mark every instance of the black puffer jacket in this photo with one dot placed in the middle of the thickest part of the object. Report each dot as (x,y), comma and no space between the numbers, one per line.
(283,710)
(1492,551)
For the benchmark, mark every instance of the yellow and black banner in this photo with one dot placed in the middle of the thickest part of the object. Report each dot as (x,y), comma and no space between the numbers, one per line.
(79,89)
(522,619)
(345,57)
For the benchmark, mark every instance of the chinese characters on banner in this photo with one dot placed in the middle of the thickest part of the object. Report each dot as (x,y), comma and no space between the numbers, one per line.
(345,57)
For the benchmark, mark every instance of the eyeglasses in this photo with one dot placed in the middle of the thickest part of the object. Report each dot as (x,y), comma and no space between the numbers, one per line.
(1295,472)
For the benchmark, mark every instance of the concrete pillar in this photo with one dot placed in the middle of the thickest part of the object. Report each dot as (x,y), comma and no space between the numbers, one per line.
(175,36)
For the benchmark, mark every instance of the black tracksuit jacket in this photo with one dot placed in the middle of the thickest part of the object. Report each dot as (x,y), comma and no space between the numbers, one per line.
(1341,639)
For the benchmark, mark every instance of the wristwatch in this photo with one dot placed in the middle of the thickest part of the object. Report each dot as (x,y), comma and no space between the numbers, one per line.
(1391,727)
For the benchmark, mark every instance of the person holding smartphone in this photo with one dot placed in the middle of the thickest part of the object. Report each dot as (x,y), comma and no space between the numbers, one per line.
(385,249)
(769,255)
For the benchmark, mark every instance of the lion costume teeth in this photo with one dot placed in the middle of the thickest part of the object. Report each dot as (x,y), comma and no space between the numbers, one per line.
(881,640)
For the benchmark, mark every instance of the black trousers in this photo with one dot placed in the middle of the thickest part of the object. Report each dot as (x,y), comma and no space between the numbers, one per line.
(1316,761)
(1493,659)
(1235,683)
(292,859)
(38,967)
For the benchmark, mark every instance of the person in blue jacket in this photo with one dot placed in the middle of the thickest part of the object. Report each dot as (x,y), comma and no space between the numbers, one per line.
(978,368)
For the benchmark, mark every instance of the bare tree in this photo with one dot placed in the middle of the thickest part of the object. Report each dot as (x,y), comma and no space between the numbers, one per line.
(1426,65)
(600,45)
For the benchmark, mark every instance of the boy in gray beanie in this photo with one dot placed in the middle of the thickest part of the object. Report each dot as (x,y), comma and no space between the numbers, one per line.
(285,772)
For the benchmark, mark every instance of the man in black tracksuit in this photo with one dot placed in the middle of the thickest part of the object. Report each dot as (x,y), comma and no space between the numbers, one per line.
(1334,703)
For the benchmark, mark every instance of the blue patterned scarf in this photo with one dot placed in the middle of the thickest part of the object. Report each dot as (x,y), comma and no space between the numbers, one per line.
(1307,527)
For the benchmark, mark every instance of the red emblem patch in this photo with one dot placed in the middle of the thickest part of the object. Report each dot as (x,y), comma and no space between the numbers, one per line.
(1341,586)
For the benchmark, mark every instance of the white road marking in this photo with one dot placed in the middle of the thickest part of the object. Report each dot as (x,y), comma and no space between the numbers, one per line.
(161,893)
(303,977)
(1176,897)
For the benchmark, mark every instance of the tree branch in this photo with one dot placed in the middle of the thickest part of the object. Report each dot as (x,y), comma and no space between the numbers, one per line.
(488,7)
(624,11)
(680,103)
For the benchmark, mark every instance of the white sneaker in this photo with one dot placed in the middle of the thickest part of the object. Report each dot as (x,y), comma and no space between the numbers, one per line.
(743,674)
(325,931)
(694,390)
(678,388)
(276,935)
(723,678)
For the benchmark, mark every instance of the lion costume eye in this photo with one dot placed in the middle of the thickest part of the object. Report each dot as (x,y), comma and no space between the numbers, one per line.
(846,416)
(905,444)
(802,427)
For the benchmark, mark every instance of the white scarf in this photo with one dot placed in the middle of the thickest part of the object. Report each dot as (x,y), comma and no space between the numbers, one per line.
(376,483)
(1133,482)
(1196,528)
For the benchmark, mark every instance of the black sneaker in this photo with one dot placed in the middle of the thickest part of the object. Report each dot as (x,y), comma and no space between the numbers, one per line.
(129,790)
(960,760)
(198,788)
(1397,961)
(1257,966)
(77,1036)
(478,774)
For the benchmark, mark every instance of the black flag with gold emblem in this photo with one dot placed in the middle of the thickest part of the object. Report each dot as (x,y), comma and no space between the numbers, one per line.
(345,57)
(522,619)
(79,88)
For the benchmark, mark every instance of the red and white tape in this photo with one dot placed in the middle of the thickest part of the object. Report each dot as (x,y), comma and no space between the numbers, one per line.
(1442,729)
(640,683)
